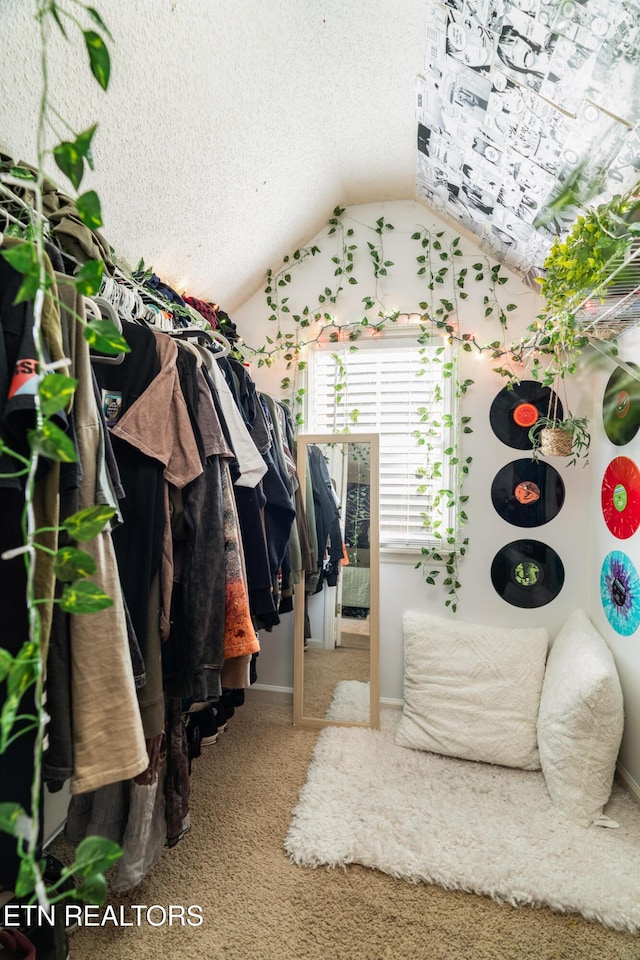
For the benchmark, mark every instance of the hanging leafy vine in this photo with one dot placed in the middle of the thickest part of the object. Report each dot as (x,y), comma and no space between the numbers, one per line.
(447,273)
(24,671)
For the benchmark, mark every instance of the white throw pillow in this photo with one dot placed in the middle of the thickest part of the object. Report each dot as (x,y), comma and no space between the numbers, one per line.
(580,720)
(472,691)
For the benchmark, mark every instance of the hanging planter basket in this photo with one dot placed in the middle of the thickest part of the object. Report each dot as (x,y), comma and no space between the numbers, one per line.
(555,442)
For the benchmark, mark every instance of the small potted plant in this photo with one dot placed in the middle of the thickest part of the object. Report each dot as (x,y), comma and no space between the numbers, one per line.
(569,437)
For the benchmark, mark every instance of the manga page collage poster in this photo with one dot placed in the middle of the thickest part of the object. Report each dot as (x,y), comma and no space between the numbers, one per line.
(517,96)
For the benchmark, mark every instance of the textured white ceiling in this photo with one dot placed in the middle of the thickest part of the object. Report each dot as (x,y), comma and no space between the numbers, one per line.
(231,128)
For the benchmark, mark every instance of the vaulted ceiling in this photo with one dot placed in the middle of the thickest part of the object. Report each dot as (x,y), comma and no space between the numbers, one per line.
(231,129)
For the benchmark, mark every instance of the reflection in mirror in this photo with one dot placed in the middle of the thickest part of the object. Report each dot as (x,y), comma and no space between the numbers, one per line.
(337,617)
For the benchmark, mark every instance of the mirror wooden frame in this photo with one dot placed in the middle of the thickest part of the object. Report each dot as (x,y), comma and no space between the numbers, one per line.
(299,719)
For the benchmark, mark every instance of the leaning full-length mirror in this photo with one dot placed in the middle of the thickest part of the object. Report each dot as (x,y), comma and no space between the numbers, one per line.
(336,658)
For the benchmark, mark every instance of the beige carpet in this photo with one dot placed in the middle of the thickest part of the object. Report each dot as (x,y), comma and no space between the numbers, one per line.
(323,669)
(258,906)
(355,633)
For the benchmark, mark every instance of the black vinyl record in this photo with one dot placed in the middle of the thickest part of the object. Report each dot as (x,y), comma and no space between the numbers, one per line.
(527,493)
(527,573)
(621,406)
(514,411)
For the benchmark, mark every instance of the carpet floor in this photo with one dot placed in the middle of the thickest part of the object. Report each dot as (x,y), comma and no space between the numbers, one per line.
(323,669)
(258,905)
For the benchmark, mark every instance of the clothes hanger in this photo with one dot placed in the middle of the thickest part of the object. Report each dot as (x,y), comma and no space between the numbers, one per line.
(157,318)
(8,196)
(127,301)
(4,226)
(101,309)
(194,349)
(206,338)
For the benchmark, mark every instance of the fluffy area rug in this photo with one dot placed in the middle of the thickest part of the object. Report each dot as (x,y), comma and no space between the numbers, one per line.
(463,825)
(351,701)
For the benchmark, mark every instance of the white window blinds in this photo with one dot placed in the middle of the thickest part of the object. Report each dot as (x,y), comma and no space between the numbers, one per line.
(386,387)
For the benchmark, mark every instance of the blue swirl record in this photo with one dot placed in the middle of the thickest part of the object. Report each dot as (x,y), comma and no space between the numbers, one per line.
(621,405)
(527,573)
(527,493)
(620,593)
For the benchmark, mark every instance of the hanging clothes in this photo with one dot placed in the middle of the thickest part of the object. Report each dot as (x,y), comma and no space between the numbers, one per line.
(250,503)
(108,739)
(327,519)
(203,549)
(138,541)
(18,368)
(240,638)
(194,653)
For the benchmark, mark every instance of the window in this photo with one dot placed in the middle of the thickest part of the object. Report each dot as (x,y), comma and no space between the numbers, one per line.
(387,385)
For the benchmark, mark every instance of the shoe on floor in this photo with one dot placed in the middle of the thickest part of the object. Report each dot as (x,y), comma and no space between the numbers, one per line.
(233,696)
(209,726)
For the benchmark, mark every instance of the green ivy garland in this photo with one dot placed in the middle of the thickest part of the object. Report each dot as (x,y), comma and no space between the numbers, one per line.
(438,261)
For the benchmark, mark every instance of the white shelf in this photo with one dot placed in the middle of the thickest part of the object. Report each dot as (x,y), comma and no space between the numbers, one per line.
(613,308)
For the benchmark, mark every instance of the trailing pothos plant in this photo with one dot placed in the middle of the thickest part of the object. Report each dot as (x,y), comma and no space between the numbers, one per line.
(448,276)
(595,259)
(589,263)
(24,671)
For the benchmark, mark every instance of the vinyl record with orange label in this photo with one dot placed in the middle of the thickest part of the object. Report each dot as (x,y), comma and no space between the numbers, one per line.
(621,405)
(620,497)
(515,410)
(527,493)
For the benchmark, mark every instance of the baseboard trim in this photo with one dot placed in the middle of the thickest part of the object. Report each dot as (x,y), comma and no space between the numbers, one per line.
(267,694)
(273,694)
(633,785)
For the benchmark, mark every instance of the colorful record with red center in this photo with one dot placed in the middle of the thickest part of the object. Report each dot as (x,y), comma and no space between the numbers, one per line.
(620,497)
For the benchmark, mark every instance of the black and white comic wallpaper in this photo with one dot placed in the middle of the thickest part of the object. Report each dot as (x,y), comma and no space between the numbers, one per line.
(516,96)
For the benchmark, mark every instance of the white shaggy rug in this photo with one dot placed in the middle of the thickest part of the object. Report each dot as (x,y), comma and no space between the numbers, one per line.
(463,825)
(351,701)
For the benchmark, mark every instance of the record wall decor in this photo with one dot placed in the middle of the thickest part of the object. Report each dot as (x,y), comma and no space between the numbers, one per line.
(527,573)
(620,593)
(515,410)
(621,406)
(527,493)
(620,497)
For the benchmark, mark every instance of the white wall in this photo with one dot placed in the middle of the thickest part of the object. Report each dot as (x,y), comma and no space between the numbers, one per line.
(402,587)
(626,650)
